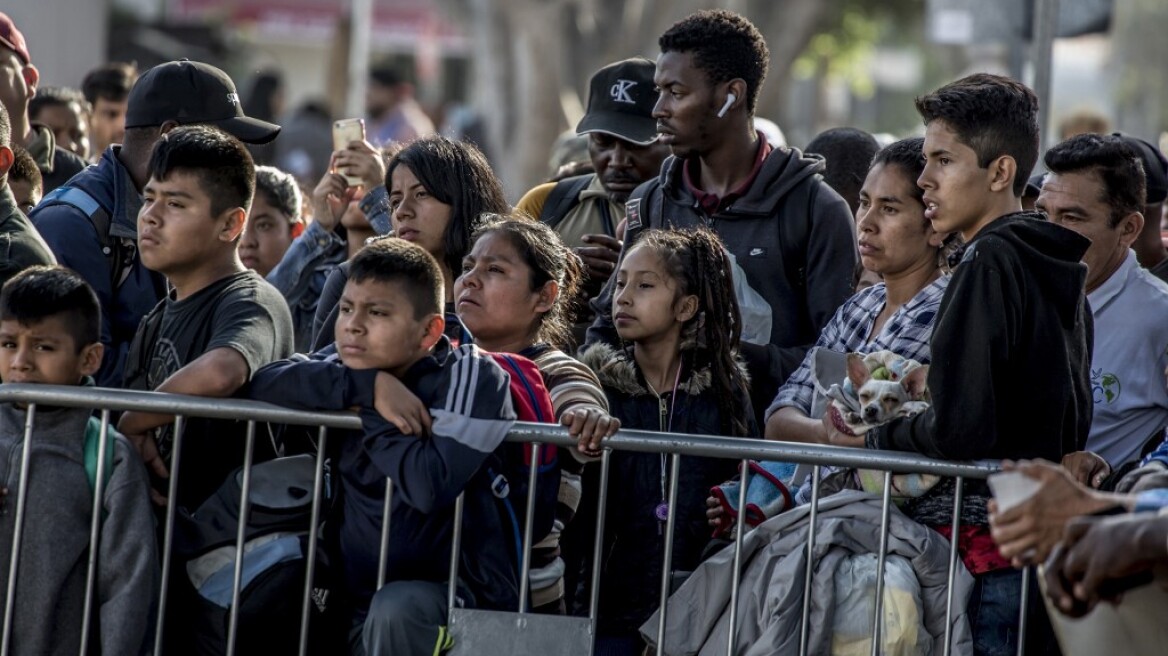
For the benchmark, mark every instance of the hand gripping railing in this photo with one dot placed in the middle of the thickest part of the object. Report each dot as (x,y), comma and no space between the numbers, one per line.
(541,435)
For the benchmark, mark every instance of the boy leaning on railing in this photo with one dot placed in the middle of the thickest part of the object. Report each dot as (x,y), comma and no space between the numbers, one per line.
(389,333)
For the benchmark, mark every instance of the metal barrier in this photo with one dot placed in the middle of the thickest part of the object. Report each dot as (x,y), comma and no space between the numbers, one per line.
(522,622)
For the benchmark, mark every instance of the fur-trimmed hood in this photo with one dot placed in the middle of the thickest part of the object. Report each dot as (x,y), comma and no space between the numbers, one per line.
(617,369)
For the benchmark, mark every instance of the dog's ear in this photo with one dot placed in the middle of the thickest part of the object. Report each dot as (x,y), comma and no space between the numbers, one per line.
(914,382)
(857,371)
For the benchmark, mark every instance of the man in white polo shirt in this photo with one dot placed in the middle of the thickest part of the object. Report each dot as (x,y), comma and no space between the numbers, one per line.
(1096,187)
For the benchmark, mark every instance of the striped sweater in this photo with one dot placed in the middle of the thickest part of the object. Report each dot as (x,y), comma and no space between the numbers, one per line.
(571,384)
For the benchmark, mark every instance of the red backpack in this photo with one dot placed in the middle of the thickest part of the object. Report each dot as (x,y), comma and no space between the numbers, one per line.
(532,403)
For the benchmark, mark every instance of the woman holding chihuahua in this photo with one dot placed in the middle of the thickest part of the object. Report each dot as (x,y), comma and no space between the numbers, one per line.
(895,315)
(674,306)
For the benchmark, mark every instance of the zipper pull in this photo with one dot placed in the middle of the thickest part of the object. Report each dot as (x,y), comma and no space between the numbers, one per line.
(664,414)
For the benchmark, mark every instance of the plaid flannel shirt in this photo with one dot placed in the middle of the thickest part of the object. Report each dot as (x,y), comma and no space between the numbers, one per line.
(906,333)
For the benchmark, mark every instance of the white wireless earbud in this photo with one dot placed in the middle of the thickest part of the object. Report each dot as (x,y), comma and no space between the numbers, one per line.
(730,98)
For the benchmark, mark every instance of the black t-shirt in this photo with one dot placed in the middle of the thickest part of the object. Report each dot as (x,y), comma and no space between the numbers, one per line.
(242,312)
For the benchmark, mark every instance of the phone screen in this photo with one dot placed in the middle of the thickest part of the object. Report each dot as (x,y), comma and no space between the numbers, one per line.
(345,131)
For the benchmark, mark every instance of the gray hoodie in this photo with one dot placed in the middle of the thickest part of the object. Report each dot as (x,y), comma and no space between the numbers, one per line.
(50,589)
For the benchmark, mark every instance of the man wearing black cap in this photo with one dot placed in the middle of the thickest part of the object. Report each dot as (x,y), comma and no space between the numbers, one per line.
(91,223)
(18,85)
(1149,248)
(622,143)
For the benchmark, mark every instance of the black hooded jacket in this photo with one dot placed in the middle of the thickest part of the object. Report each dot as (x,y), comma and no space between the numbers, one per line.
(1010,376)
(803,282)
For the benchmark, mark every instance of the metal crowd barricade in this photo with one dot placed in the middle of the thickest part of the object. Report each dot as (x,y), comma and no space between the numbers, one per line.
(478,631)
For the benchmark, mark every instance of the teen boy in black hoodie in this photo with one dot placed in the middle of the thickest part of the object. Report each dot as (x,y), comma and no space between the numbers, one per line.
(1011,345)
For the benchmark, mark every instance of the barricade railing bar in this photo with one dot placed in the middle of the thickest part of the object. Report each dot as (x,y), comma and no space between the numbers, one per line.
(540,436)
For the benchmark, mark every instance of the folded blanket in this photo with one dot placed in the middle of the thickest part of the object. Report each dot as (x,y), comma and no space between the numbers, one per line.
(767,494)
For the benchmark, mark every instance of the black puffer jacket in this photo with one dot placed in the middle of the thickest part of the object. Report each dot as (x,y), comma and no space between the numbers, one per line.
(634,538)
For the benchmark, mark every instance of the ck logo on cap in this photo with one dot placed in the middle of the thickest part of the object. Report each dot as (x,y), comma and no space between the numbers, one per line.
(620,91)
(233,98)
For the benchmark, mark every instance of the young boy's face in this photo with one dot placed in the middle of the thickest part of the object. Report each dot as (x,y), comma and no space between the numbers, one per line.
(266,238)
(957,190)
(377,328)
(44,352)
(177,233)
(27,196)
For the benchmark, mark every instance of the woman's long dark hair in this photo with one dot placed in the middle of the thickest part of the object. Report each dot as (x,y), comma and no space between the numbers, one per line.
(457,174)
(698,262)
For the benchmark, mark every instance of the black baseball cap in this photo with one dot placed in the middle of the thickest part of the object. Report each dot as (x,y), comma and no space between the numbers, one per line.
(1155,167)
(191,92)
(1034,186)
(621,100)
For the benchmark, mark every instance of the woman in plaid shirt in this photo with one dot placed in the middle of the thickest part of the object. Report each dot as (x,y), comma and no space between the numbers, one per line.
(897,242)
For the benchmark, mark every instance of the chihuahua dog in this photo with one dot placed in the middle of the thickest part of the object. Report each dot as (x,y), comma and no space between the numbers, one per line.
(882,396)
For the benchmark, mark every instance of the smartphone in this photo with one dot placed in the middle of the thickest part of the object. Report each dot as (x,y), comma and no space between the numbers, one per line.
(344,131)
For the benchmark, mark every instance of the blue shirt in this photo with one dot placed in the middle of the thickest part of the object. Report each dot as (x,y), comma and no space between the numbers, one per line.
(906,333)
(1128,387)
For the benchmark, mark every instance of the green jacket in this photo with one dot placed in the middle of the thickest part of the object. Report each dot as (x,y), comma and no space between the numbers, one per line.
(21,245)
(56,164)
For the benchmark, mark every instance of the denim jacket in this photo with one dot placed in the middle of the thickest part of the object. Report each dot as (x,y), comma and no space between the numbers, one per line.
(301,274)
(375,205)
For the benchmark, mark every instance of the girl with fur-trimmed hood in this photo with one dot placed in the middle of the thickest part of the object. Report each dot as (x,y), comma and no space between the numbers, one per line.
(675,309)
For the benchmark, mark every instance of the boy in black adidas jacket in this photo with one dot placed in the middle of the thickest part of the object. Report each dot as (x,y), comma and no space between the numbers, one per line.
(390,327)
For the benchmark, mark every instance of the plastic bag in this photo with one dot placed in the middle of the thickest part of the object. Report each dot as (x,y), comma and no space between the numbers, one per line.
(756,312)
(903,630)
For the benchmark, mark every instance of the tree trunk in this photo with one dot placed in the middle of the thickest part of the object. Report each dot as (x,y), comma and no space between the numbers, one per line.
(528,53)
(1140,53)
(788,27)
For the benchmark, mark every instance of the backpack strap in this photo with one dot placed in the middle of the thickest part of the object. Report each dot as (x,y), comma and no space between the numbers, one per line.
(92,446)
(76,197)
(562,198)
(118,253)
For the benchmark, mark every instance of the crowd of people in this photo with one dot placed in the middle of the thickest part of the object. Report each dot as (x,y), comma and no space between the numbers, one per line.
(684,276)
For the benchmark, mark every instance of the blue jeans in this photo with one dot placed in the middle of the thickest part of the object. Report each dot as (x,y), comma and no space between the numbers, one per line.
(994,608)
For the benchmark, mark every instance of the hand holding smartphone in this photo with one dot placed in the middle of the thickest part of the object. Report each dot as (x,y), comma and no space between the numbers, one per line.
(345,131)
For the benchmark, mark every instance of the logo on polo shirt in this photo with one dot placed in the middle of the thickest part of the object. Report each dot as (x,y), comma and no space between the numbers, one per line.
(1105,387)
(620,91)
